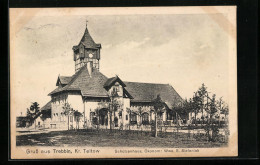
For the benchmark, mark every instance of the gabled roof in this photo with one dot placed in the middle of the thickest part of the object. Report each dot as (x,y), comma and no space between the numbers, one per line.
(146,92)
(87,41)
(64,80)
(96,85)
(46,106)
(112,80)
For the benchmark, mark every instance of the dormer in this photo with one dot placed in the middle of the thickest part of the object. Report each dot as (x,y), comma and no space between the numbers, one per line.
(63,81)
(115,84)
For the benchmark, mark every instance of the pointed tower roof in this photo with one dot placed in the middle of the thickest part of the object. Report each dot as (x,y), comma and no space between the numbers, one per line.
(87,41)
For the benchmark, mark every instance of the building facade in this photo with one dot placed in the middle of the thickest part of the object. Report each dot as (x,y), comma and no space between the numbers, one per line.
(89,99)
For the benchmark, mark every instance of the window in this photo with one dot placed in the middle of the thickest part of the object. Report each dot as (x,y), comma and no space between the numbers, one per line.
(92,114)
(126,117)
(120,115)
(170,115)
(145,118)
(116,121)
(133,118)
(71,118)
(39,123)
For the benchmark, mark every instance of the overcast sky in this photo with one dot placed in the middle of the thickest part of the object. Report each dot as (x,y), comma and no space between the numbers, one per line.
(182,50)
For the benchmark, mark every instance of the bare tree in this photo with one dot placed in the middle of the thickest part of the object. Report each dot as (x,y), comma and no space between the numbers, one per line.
(113,105)
(129,111)
(67,111)
(140,112)
(77,116)
(159,106)
(210,128)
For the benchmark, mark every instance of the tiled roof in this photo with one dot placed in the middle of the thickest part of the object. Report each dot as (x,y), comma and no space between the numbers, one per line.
(112,80)
(94,86)
(88,85)
(88,41)
(64,79)
(109,81)
(146,92)
(46,106)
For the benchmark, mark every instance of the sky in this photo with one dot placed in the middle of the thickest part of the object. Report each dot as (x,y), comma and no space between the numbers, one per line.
(183,50)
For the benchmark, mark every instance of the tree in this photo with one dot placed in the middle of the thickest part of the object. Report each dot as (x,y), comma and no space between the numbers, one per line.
(210,128)
(140,112)
(202,94)
(182,110)
(103,105)
(198,102)
(35,108)
(32,112)
(219,105)
(113,105)
(223,108)
(29,115)
(158,106)
(225,111)
(67,111)
(77,116)
(187,107)
(195,104)
(129,111)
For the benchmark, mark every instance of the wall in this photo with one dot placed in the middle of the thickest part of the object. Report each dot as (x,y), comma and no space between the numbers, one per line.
(76,102)
(90,106)
(60,120)
(126,105)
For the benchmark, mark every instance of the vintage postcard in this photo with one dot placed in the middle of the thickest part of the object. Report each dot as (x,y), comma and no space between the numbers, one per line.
(126,82)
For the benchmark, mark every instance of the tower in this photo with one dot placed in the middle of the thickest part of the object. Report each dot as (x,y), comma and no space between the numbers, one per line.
(87,51)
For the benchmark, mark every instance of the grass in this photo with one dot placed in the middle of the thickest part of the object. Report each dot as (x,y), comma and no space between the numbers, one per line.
(105,138)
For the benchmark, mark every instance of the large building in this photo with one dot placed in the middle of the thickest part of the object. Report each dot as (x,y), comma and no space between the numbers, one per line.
(92,95)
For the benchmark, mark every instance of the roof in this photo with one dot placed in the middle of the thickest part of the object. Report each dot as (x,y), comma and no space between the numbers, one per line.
(88,85)
(146,92)
(96,85)
(64,80)
(46,106)
(112,80)
(87,41)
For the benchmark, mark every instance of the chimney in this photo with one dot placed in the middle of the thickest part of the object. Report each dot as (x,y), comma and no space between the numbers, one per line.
(90,67)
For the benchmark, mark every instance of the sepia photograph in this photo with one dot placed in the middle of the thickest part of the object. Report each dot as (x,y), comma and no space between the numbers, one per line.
(125,82)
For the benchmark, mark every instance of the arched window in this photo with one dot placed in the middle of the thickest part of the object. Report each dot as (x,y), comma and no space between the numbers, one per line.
(92,115)
(103,116)
(145,118)
(170,114)
(133,118)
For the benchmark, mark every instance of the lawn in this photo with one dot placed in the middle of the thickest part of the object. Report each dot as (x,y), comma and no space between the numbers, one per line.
(105,138)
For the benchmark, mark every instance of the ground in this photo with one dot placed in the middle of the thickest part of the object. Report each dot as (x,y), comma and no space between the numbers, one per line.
(105,138)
